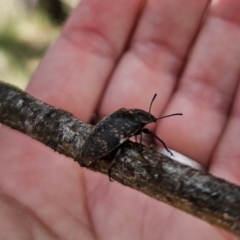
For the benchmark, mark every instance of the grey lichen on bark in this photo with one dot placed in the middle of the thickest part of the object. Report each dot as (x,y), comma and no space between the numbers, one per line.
(193,191)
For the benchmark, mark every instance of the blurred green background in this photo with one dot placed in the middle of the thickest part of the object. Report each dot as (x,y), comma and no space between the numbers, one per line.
(27,29)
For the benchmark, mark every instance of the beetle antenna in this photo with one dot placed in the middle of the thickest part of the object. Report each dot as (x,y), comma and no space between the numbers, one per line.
(152,102)
(174,114)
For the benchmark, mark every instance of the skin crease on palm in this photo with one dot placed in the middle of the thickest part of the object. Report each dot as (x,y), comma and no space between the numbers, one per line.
(45,195)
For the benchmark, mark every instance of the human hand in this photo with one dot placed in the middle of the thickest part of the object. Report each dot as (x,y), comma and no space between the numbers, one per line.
(45,195)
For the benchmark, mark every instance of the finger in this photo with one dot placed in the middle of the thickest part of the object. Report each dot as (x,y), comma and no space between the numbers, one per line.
(155,56)
(75,69)
(207,86)
(226,158)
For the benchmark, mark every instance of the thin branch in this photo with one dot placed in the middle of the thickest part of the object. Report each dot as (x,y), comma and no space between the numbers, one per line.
(196,192)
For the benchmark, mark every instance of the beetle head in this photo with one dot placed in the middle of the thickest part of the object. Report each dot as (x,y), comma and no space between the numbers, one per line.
(139,115)
(142,116)
(135,114)
(146,117)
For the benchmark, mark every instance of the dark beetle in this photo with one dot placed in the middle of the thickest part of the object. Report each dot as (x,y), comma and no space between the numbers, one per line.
(115,129)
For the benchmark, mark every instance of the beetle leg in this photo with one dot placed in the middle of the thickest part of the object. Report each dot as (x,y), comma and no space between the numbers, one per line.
(141,146)
(112,164)
(140,138)
(146,130)
(94,163)
(110,168)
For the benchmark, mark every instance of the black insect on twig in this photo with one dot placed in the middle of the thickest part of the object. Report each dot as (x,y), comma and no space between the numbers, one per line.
(115,129)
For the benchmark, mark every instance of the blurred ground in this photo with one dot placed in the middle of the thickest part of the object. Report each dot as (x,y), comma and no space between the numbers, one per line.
(25,35)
